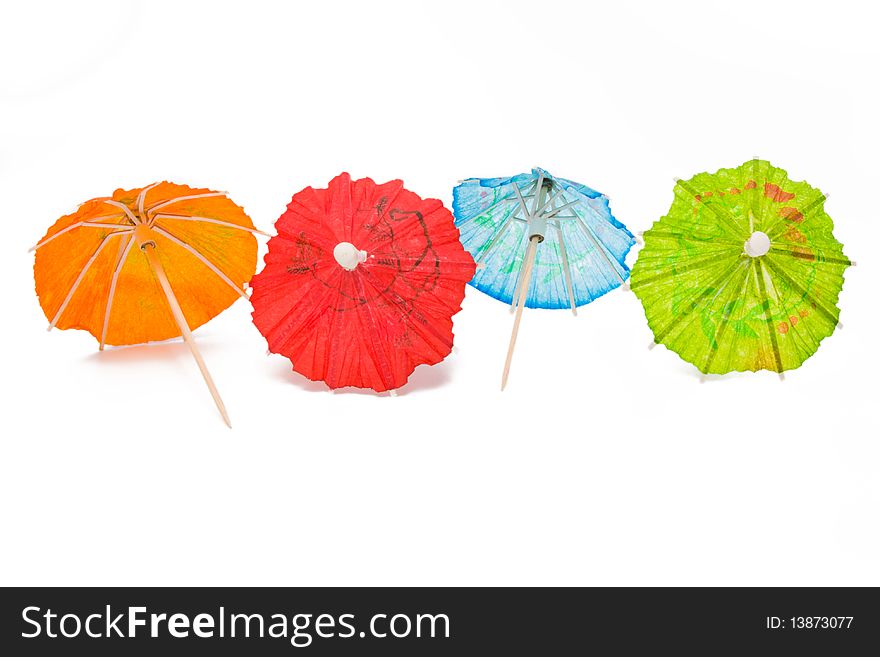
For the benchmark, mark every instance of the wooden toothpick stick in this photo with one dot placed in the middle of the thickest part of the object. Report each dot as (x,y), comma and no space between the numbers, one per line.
(149,249)
(520,304)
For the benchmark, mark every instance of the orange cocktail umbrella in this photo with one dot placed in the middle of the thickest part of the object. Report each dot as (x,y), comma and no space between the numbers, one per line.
(146,264)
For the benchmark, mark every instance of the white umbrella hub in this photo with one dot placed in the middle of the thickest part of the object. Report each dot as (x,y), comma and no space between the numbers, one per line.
(348,255)
(757,245)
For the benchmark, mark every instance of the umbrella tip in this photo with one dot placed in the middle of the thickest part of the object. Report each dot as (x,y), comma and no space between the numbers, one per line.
(392,393)
(782,376)
(652,345)
(839,325)
(574,311)
(702,378)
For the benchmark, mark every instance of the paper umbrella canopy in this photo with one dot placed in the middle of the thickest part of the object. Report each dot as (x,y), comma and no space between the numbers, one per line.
(743,272)
(361,283)
(540,242)
(146,264)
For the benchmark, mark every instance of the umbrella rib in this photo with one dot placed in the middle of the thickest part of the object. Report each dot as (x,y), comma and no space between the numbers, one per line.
(803,291)
(756,198)
(772,287)
(522,201)
(759,276)
(561,207)
(810,258)
(754,204)
(599,246)
(383,368)
(189,197)
(725,276)
(531,188)
(142,197)
(78,280)
(505,199)
(390,256)
(566,269)
(678,269)
(550,200)
(689,238)
(210,265)
(805,211)
(484,250)
(228,224)
(395,298)
(720,212)
(119,266)
(795,335)
(88,223)
(333,316)
(528,216)
(725,319)
(537,194)
(122,207)
(502,201)
(304,317)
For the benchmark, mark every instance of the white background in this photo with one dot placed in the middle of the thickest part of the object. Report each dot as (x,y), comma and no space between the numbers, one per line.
(602,463)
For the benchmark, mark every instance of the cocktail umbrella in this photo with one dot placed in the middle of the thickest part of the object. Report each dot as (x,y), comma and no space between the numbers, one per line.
(146,264)
(743,273)
(540,242)
(361,283)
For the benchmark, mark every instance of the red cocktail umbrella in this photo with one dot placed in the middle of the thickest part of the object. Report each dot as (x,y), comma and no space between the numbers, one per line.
(361,283)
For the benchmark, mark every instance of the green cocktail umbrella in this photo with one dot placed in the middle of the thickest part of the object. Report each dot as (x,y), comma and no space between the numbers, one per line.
(743,273)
